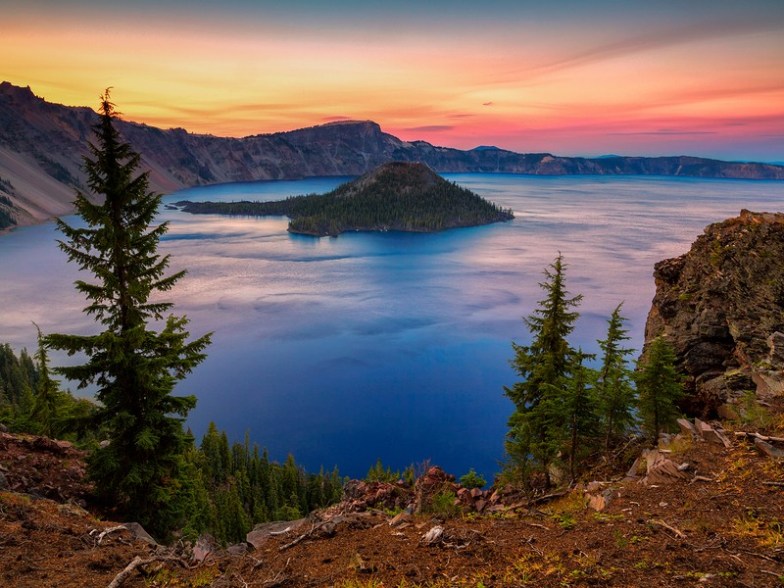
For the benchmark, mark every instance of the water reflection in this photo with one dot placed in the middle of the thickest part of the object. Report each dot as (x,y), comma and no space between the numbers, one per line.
(386,345)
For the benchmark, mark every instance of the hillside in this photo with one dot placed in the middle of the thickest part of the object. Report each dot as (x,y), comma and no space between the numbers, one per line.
(715,521)
(395,196)
(42,146)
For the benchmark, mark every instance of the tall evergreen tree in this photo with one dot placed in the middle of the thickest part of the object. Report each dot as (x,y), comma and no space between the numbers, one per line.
(134,366)
(534,427)
(660,388)
(47,393)
(614,386)
(579,406)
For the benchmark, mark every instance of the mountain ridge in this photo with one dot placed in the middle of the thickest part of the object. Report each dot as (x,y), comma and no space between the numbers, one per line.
(42,146)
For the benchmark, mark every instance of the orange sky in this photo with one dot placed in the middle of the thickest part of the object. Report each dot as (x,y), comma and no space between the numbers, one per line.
(634,81)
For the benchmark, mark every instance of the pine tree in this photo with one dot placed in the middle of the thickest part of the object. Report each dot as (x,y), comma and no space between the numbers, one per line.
(535,426)
(579,407)
(47,394)
(614,385)
(134,366)
(660,388)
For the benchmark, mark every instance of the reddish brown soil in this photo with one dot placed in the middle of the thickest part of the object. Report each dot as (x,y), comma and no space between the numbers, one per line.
(723,528)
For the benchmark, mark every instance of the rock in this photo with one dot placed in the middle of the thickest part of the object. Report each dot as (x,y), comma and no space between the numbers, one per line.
(3,428)
(776,345)
(400,519)
(687,428)
(720,305)
(434,481)
(660,469)
(635,471)
(599,502)
(476,493)
(766,448)
(710,434)
(139,533)
(480,505)
(262,532)
(205,545)
(237,549)
(4,483)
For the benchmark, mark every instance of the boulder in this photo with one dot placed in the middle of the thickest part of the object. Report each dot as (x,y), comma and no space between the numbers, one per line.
(766,448)
(139,533)
(687,428)
(660,469)
(599,502)
(262,532)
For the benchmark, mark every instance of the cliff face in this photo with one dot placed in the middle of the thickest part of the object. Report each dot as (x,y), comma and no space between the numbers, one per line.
(721,305)
(42,146)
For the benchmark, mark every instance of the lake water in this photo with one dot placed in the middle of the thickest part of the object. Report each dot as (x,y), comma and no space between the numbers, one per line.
(387,345)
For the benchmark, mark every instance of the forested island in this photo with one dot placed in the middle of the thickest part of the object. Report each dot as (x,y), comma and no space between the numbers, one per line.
(397,196)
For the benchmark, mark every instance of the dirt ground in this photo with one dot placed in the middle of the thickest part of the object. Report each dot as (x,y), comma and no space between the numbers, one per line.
(722,524)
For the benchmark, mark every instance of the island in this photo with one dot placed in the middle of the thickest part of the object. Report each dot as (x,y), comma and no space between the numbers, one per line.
(396,196)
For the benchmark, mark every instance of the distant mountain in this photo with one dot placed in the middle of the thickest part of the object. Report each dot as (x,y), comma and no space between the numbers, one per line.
(42,146)
(396,196)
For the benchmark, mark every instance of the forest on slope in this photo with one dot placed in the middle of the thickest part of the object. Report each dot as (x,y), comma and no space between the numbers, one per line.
(396,196)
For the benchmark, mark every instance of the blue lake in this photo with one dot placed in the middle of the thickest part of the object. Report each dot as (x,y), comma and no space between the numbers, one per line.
(386,345)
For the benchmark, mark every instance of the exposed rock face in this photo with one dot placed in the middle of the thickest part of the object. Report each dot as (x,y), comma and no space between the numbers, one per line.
(42,146)
(721,305)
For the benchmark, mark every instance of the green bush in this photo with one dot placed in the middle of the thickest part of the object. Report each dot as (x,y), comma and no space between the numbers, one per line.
(472,480)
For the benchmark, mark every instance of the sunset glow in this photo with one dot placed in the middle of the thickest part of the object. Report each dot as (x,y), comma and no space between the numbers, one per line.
(696,78)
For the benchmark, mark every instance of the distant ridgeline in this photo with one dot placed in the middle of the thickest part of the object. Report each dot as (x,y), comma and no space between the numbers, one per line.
(396,196)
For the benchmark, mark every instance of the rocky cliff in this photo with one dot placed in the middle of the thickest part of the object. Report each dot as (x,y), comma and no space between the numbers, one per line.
(42,146)
(721,305)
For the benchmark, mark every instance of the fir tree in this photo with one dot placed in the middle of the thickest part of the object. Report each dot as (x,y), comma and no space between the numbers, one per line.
(47,394)
(579,407)
(134,366)
(614,385)
(535,425)
(660,388)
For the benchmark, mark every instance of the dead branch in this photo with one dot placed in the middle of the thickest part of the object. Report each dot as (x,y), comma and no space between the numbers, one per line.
(661,523)
(780,484)
(283,532)
(105,532)
(302,537)
(535,525)
(135,563)
(546,497)
(759,436)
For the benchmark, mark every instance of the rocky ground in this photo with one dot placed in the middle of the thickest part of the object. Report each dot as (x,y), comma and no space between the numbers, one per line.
(705,509)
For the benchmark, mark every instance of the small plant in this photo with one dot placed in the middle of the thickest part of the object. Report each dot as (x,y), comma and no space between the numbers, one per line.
(566,521)
(443,505)
(472,480)
(752,413)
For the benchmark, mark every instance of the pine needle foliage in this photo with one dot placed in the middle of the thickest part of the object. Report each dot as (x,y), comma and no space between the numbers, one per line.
(535,427)
(614,386)
(660,387)
(133,365)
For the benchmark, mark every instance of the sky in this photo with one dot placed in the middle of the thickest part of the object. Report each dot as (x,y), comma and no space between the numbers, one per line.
(662,77)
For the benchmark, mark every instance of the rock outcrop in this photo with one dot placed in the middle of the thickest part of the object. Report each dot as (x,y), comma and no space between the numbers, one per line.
(721,306)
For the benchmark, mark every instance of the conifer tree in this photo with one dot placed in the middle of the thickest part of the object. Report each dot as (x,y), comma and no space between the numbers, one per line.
(134,366)
(47,393)
(660,388)
(579,407)
(535,426)
(614,385)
